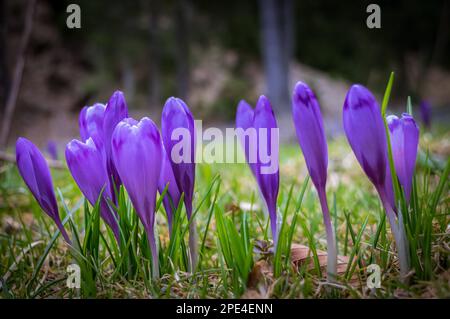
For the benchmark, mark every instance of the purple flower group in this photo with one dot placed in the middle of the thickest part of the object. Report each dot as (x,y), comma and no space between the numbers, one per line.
(116,150)
(262,120)
(366,133)
(364,127)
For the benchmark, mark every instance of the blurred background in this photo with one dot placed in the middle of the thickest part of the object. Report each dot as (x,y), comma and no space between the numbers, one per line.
(212,54)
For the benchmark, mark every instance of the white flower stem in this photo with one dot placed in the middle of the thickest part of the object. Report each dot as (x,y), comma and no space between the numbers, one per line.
(331,242)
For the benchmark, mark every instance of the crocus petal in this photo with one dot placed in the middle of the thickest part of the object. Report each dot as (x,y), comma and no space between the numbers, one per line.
(244,120)
(269,183)
(173,195)
(91,123)
(116,110)
(176,115)
(137,154)
(263,121)
(389,187)
(87,166)
(35,172)
(425,112)
(52,150)
(404,142)
(365,132)
(310,133)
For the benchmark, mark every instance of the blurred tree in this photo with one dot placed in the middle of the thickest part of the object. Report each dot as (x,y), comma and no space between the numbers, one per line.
(4,75)
(276,29)
(154,60)
(182,11)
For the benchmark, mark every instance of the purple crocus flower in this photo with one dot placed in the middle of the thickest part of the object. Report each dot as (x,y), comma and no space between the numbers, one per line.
(88,167)
(311,137)
(52,150)
(178,134)
(365,132)
(116,110)
(172,197)
(404,135)
(425,113)
(176,115)
(364,127)
(262,143)
(244,120)
(35,172)
(137,154)
(91,123)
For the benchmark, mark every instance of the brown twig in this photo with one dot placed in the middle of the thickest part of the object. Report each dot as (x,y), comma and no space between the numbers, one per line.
(11,158)
(18,72)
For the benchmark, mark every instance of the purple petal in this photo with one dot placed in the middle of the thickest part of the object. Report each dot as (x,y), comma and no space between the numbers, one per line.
(52,150)
(91,123)
(244,120)
(176,116)
(88,168)
(425,112)
(404,142)
(310,133)
(35,172)
(365,132)
(268,183)
(389,187)
(116,110)
(173,195)
(137,154)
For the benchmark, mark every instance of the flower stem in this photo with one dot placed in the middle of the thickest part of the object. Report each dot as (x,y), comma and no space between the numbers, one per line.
(193,245)
(331,242)
(154,251)
(63,232)
(398,232)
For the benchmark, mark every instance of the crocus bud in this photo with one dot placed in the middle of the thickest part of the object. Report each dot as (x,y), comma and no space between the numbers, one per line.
(52,150)
(172,197)
(425,113)
(311,137)
(404,143)
(244,120)
(178,134)
(116,110)
(35,172)
(365,132)
(137,154)
(262,152)
(88,167)
(91,123)
(364,127)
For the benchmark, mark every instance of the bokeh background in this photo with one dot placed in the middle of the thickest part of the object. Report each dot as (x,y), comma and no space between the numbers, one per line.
(212,54)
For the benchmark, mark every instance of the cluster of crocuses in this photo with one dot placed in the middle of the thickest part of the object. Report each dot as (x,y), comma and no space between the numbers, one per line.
(365,130)
(117,150)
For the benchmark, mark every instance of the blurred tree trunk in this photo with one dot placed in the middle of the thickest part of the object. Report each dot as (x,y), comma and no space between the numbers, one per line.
(18,73)
(128,79)
(182,10)
(277,47)
(155,55)
(287,27)
(4,75)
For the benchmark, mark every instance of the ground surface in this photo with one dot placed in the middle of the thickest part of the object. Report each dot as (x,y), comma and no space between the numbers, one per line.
(362,236)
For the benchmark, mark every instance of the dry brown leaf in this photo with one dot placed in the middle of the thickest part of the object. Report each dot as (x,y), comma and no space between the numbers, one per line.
(262,274)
